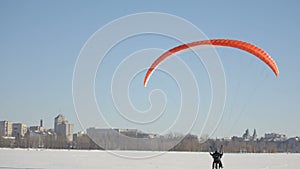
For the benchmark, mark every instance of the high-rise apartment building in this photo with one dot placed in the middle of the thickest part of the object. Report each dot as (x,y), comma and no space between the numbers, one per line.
(63,128)
(19,130)
(6,128)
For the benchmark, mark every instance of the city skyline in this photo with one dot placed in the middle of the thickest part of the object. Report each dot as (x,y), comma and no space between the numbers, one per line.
(18,135)
(61,127)
(245,133)
(41,42)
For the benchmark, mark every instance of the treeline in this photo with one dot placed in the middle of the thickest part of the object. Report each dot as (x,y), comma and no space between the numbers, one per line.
(192,143)
(187,143)
(35,142)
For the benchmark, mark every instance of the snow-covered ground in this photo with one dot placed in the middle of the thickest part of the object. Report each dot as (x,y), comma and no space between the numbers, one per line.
(84,159)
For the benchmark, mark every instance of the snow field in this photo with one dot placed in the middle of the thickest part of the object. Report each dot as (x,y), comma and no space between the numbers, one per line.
(73,159)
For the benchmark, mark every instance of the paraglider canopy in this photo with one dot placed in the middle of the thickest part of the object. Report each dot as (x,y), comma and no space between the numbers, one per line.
(256,51)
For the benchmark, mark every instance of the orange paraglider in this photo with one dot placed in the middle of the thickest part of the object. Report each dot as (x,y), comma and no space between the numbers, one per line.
(256,51)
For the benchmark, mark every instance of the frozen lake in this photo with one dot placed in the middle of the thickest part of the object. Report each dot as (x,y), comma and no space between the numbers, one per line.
(84,159)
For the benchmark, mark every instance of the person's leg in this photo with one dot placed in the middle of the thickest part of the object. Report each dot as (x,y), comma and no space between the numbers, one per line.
(220,164)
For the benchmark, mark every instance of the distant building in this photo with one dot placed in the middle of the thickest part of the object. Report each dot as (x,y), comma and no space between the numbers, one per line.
(128,132)
(102,132)
(275,137)
(19,130)
(236,138)
(41,123)
(6,128)
(63,128)
(37,138)
(293,145)
(37,129)
(115,132)
(58,120)
(254,136)
(246,135)
(128,139)
(78,135)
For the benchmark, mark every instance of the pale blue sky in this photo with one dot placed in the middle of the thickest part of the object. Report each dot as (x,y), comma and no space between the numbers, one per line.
(40,42)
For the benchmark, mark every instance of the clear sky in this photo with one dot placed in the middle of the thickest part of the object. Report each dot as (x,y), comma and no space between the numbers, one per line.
(41,40)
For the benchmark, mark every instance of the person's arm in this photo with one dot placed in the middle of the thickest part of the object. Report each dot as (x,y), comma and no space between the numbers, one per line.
(221,149)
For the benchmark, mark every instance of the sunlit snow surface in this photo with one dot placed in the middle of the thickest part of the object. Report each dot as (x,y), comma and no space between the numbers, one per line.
(84,159)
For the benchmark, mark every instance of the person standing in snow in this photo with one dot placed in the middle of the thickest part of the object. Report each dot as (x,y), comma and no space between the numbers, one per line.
(217,158)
